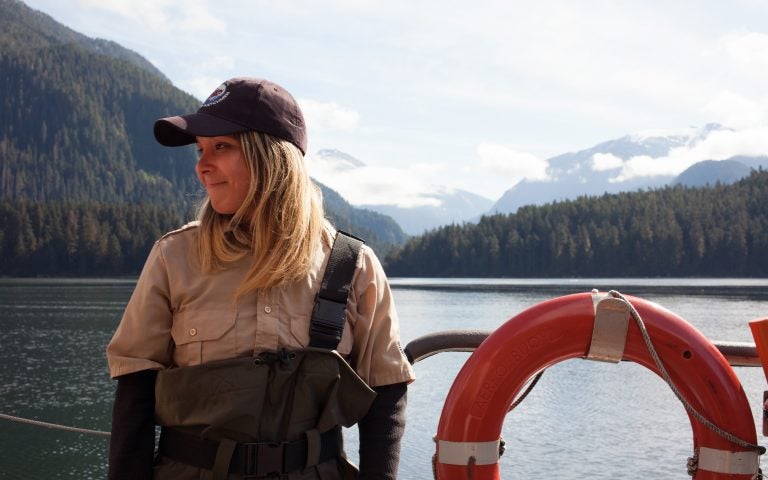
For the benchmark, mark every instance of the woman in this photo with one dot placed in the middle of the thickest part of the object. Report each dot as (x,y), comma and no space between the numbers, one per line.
(212,344)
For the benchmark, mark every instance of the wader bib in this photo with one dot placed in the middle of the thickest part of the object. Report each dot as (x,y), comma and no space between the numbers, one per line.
(275,415)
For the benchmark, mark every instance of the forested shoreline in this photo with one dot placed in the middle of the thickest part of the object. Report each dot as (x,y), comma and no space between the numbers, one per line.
(718,231)
(79,239)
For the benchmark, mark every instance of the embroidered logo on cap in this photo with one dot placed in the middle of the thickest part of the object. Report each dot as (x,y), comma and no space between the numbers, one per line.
(217,96)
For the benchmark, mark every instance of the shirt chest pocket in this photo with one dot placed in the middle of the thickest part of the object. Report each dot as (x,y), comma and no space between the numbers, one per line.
(201,336)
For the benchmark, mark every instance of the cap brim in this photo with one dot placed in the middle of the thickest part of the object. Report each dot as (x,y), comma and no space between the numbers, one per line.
(182,129)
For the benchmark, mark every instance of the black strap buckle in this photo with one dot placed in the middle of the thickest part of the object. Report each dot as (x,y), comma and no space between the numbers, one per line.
(262,459)
(328,318)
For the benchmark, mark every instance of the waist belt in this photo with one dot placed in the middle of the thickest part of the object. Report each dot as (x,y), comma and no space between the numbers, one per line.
(248,459)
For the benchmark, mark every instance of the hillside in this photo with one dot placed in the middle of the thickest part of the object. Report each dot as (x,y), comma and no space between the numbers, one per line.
(452,206)
(76,116)
(711,172)
(76,137)
(672,231)
(23,26)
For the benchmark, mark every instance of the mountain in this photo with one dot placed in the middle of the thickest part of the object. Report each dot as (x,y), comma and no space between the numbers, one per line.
(711,172)
(575,174)
(32,28)
(441,206)
(379,231)
(76,141)
(339,160)
(75,123)
(450,206)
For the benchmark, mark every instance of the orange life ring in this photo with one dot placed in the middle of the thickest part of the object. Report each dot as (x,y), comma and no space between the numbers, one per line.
(469,430)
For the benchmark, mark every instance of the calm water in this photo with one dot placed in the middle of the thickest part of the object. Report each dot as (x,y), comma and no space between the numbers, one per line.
(584,420)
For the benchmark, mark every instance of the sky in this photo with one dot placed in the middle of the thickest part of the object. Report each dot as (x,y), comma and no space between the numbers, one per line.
(472,95)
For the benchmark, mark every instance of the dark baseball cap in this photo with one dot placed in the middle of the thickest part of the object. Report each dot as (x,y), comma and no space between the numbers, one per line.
(238,105)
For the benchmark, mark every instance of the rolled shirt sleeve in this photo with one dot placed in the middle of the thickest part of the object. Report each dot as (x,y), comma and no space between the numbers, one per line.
(376,355)
(142,341)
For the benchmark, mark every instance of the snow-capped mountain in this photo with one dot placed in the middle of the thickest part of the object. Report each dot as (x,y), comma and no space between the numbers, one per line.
(617,166)
(337,160)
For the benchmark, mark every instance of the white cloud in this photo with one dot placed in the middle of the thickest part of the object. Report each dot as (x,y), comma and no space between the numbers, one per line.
(201,86)
(736,110)
(367,185)
(645,166)
(511,164)
(718,145)
(328,116)
(196,18)
(605,161)
(162,15)
(749,49)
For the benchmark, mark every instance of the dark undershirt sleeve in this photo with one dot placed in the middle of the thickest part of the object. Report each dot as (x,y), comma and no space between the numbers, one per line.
(381,430)
(132,444)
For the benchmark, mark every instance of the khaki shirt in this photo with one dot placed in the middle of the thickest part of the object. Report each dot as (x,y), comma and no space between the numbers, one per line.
(178,316)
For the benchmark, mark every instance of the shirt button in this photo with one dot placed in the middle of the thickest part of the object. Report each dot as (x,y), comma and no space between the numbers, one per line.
(268,309)
(193,331)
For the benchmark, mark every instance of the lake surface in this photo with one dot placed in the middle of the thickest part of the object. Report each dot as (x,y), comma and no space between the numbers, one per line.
(584,420)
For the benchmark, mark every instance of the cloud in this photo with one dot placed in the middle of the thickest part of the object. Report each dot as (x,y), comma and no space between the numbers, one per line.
(163,15)
(605,161)
(511,164)
(328,116)
(718,145)
(368,185)
(749,49)
(201,86)
(736,110)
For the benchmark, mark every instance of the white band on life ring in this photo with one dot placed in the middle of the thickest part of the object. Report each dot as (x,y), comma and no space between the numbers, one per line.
(724,461)
(461,453)
(609,334)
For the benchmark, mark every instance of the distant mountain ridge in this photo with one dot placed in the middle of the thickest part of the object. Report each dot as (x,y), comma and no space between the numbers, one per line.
(444,205)
(711,172)
(453,206)
(572,174)
(576,174)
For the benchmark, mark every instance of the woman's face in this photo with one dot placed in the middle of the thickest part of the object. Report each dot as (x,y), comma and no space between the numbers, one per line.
(222,170)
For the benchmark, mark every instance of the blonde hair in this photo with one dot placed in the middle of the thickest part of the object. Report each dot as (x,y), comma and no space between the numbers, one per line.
(279,225)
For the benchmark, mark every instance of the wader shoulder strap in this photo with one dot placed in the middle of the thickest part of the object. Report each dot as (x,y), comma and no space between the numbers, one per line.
(329,312)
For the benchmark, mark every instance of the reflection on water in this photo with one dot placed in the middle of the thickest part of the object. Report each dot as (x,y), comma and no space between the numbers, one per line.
(53,368)
(584,420)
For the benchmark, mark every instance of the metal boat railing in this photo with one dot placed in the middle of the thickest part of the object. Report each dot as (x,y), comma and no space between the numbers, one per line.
(738,354)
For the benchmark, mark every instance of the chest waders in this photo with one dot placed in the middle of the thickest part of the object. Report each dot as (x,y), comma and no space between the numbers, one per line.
(274,415)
